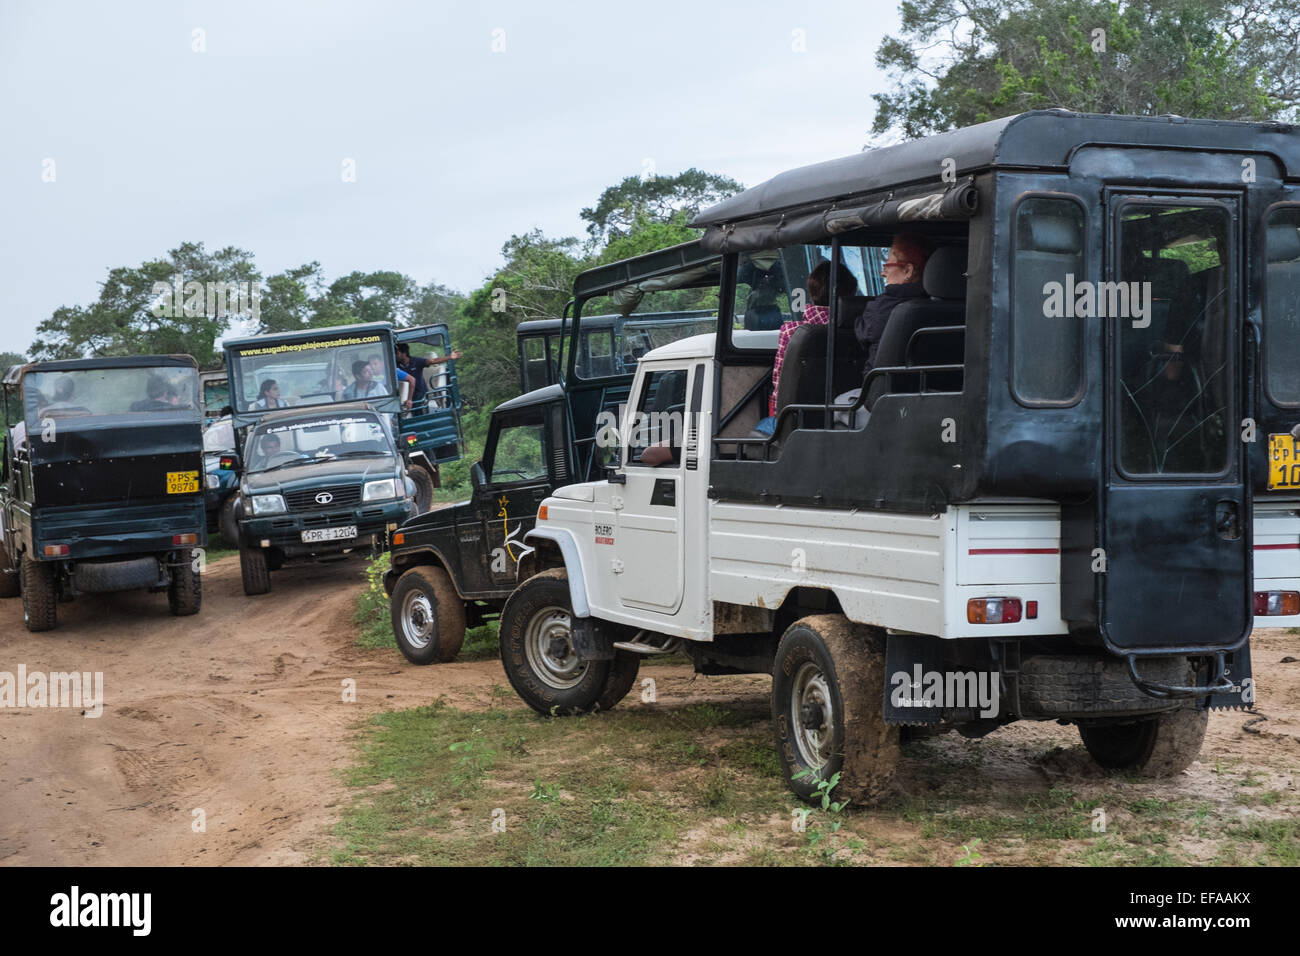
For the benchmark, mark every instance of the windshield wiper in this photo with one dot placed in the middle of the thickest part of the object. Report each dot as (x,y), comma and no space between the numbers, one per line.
(292,463)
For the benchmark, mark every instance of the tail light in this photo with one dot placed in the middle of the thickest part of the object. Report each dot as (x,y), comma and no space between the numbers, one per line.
(996,610)
(185,539)
(1277,603)
(57,550)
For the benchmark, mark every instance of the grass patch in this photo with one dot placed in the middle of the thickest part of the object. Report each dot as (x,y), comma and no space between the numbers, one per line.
(374,627)
(502,787)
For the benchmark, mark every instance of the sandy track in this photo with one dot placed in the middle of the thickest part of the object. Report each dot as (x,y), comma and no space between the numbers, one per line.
(238,712)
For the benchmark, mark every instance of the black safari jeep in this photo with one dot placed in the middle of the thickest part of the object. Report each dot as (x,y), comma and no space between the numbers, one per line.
(101,484)
(318,483)
(454,567)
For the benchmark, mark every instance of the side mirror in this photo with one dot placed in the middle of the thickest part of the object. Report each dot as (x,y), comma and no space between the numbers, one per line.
(477,476)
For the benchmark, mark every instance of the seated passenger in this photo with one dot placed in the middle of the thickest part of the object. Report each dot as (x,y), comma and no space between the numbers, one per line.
(64,389)
(901,270)
(816,313)
(364,385)
(268,396)
(156,396)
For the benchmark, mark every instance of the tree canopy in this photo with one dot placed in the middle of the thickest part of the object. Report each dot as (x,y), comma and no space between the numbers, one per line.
(959,62)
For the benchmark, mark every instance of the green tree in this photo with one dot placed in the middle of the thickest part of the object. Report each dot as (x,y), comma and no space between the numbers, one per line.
(133,317)
(959,62)
(288,298)
(9,359)
(654,199)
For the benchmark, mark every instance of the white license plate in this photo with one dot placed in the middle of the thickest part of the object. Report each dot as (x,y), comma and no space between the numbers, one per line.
(329,534)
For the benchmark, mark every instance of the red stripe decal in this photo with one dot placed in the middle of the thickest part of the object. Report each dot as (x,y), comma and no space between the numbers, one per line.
(1277,547)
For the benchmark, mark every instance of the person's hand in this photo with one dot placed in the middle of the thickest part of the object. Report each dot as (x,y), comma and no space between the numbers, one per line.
(454,355)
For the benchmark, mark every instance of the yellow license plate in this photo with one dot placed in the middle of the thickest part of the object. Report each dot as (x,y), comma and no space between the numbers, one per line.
(1283,463)
(182,482)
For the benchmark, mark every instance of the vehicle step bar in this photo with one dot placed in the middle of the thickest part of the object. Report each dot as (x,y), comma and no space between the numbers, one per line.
(650,643)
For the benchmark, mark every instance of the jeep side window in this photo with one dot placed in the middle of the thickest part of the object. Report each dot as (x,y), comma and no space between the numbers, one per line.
(1047,345)
(658,424)
(520,455)
(1171,316)
(1282,305)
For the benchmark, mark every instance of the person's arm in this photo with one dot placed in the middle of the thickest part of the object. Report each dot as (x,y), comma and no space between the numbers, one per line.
(438,360)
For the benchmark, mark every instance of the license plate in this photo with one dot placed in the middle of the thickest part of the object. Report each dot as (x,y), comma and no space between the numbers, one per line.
(1283,463)
(329,534)
(182,482)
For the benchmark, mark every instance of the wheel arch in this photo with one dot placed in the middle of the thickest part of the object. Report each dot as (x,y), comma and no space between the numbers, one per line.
(420,556)
(545,542)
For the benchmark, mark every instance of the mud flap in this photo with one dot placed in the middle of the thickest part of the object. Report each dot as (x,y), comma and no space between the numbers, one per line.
(910,655)
(590,642)
(1236,669)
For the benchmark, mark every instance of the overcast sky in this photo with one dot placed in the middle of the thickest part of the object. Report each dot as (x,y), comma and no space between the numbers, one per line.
(455,146)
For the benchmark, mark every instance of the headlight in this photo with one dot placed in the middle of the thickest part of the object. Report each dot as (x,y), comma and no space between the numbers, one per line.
(380,490)
(268,504)
(213,482)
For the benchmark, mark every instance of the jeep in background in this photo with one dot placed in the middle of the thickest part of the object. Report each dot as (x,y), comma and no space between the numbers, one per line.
(453,568)
(318,484)
(101,486)
(317,367)
(215,394)
(220,496)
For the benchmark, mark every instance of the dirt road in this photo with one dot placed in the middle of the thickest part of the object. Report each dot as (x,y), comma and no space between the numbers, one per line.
(239,713)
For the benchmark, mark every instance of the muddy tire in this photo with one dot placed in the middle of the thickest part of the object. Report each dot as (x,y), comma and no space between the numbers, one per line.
(537,650)
(1158,746)
(40,594)
(227,523)
(253,569)
(185,593)
(10,585)
(428,616)
(828,692)
(423,482)
(622,675)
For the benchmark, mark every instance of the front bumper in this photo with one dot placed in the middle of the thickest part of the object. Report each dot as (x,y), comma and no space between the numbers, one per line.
(284,531)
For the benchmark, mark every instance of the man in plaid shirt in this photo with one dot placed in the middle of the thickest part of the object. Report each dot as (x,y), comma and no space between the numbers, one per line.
(816,313)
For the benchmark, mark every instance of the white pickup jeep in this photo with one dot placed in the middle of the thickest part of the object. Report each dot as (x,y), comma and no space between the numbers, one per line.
(1011,518)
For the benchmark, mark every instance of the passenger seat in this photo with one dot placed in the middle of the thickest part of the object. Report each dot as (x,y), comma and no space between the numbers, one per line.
(944,280)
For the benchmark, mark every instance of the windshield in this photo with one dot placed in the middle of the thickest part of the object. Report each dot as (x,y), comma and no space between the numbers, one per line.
(315,439)
(101,392)
(219,436)
(216,395)
(314,372)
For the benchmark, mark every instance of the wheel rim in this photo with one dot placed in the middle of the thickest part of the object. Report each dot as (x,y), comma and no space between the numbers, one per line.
(812,715)
(548,645)
(419,623)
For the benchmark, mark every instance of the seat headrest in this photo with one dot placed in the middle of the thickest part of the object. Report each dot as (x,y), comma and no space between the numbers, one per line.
(850,307)
(1059,234)
(945,273)
(1283,243)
